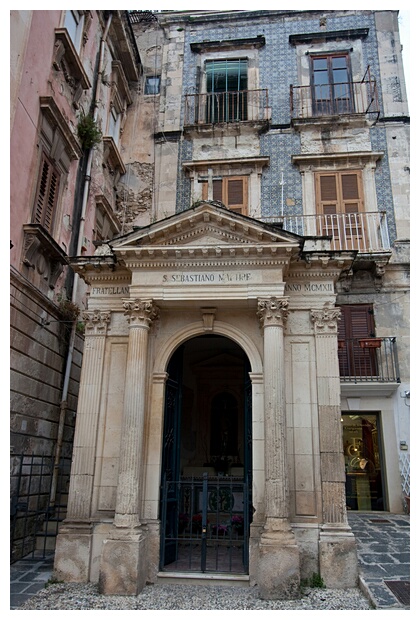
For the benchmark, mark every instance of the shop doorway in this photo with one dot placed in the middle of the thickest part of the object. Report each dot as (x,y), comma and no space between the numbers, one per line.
(205,507)
(363,462)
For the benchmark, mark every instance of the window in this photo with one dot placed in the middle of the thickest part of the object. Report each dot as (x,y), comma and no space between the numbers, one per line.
(339,199)
(152,85)
(357,323)
(114,124)
(231,191)
(331,84)
(226,85)
(47,194)
(73,22)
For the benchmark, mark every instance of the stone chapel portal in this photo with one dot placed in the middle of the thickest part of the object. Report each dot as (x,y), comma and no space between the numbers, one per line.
(206,459)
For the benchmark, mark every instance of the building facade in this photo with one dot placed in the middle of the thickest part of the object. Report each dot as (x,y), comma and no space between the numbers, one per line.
(69,78)
(245,375)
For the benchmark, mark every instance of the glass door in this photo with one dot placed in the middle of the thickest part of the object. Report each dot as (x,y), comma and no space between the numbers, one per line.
(363,462)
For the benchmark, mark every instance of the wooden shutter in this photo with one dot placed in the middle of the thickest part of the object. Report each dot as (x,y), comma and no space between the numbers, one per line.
(231,191)
(356,323)
(47,194)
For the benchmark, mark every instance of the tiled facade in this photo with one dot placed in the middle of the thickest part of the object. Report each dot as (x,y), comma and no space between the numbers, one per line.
(253,304)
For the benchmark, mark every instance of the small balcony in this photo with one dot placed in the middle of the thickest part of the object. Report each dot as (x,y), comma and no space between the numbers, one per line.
(368,360)
(227,107)
(323,101)
(365,232)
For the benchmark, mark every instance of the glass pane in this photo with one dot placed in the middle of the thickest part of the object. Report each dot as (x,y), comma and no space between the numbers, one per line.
(362,462)
(319,64)
(339,62)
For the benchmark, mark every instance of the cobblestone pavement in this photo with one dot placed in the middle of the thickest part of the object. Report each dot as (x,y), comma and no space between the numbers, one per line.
(383,548)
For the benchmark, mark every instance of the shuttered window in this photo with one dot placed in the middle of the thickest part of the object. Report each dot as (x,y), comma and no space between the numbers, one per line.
(47,194)
(339,192)
(357,323)
(339,199)
(231,191)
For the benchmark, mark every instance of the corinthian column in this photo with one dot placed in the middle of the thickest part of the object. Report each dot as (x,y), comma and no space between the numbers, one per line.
(124,561)
(84,447)
(337,547)
(279,576)
(73,548)
(140,315)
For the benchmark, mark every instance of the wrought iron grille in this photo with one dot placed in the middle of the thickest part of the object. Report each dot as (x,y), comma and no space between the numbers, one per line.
(205,525)
(38,503)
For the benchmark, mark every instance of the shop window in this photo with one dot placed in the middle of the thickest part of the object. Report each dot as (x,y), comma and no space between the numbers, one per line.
(231,191)
(152,85)
(226,85)
(331,84)
(356,325)
(363,462)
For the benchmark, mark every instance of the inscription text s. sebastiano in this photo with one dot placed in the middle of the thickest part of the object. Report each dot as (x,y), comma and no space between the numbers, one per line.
(203,278)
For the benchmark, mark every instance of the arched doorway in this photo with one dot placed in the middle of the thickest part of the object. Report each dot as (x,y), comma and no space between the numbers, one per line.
(205,507)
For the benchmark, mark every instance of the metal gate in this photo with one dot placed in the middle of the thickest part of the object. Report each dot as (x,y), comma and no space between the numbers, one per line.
(38,504)
(205,525)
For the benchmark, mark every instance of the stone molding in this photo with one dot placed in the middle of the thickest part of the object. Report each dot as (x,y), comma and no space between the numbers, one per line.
(325,320)
(140,312)
(273,311)
(96,322)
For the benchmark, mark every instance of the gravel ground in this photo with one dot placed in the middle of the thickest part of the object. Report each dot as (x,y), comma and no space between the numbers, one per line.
(82,597)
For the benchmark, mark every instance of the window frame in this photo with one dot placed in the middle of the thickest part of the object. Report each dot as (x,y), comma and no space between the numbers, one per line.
(342,215)
(147,83)
(331,104)
(47,193)
(76,33)
(223,193)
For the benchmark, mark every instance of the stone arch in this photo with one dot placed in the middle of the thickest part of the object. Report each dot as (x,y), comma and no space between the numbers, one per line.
(196,329)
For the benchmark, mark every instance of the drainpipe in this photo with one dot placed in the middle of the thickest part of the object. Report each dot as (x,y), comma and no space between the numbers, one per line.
(63,403)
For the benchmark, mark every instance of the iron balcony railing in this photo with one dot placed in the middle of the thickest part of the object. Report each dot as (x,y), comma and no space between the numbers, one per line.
(364,232)
(321,100)
(226,107)
(368,360)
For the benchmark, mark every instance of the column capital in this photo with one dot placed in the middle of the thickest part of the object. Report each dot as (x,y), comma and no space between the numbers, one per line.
(96,322)
(325,320)
(273,311)
(140,312)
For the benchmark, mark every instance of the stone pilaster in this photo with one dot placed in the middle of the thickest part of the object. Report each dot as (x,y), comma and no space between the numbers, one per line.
(337,547)
(123,567)
(278,574)
(72,554)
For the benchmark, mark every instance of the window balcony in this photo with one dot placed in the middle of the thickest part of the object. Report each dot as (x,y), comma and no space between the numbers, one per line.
(227,107)
(368,360)
(364,232)
(323,101)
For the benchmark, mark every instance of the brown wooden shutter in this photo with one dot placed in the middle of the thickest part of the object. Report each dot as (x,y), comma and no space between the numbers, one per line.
(356,323)
(218,190)
(236,193)
(47,194)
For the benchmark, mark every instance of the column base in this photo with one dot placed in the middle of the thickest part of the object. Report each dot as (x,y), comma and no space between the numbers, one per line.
(123,567)
(278,570)
(73,551)
(338,557)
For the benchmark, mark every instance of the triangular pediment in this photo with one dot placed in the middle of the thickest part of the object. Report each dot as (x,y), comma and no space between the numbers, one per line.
(204,225)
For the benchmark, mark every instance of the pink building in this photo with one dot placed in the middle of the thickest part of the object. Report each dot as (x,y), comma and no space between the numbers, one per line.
(66,66)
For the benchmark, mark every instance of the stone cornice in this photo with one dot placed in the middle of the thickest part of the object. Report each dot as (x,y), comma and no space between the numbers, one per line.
(334,159)
(258,162)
